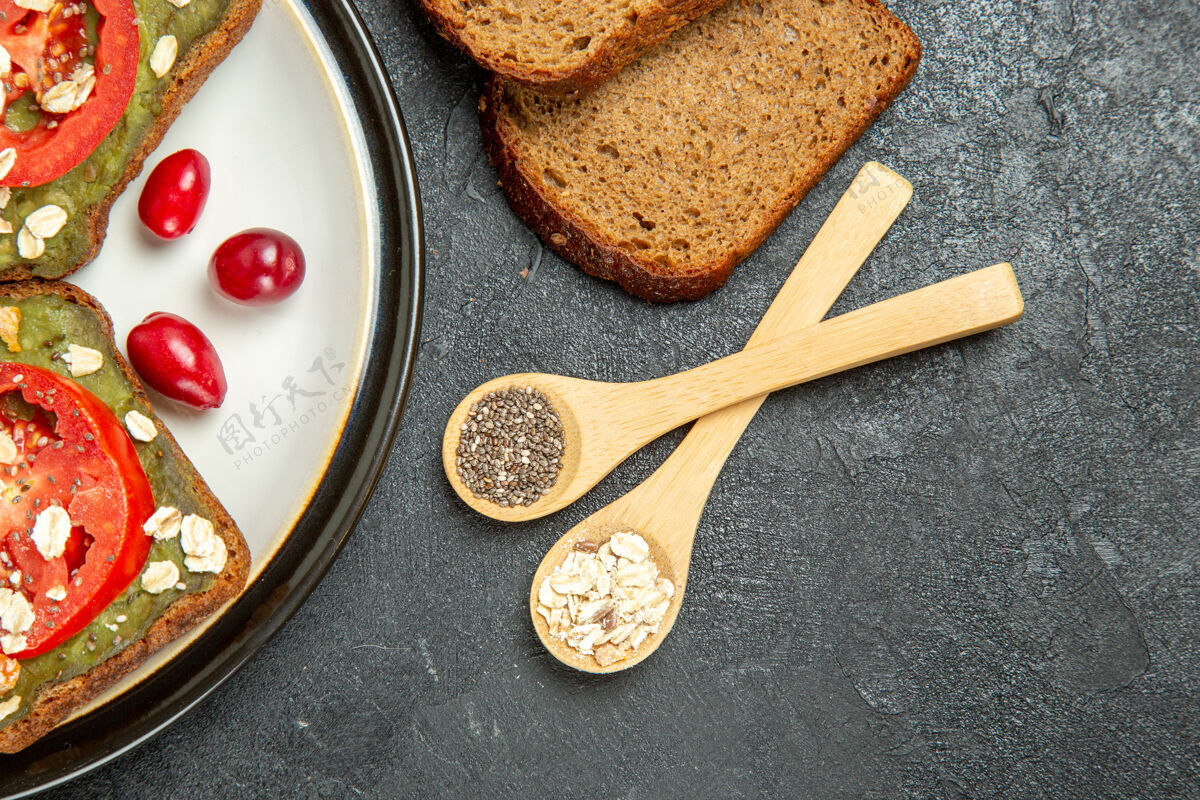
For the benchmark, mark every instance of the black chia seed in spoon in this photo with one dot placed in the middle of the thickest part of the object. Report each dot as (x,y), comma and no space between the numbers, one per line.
(510,448)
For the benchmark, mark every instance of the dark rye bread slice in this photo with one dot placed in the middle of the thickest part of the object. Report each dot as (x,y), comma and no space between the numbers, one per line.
(675,170)
(55,702)
(171,95)
(557,47)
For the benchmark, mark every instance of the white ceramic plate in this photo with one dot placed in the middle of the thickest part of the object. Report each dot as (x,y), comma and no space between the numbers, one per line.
(288,128)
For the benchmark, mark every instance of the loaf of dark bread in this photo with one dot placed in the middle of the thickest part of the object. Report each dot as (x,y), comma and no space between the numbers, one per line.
(557,47)
(52,701)
(676,169)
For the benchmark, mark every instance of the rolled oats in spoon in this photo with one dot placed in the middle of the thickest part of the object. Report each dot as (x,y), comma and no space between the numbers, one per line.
(605,600)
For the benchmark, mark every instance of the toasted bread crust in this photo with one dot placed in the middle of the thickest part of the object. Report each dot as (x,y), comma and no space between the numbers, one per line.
(185,79)
(608,57)
(581,242)
(53,704)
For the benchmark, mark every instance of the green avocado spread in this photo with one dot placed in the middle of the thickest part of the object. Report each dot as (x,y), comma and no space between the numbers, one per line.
(88,184)
(48,325)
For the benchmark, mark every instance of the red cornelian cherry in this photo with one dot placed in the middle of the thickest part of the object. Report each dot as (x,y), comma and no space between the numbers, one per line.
(176,359)
(257,267)
(175,194)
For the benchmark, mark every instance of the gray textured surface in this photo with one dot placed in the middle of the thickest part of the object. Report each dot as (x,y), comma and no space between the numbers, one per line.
(971,572)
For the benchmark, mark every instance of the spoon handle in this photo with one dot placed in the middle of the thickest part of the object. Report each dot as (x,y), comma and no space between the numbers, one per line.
(952,309)
(680,487)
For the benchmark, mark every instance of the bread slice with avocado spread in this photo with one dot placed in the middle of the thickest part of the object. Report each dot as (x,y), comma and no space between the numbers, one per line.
(204,32)
(197,558)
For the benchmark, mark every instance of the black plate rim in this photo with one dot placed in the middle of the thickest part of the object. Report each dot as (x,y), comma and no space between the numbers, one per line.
(340,498)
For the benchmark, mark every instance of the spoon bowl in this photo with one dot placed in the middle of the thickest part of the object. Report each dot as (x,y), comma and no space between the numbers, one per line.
(564,396)
(665,552)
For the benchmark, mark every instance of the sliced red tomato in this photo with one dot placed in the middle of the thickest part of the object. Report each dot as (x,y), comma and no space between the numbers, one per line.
(50,47)
(71,451)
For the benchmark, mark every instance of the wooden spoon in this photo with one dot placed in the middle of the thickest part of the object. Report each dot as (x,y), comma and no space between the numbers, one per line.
(603,425)
(666,508)
(862,216)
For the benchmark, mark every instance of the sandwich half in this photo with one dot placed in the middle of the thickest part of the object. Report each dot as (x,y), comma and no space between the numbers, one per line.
(142,61)
(111,544)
